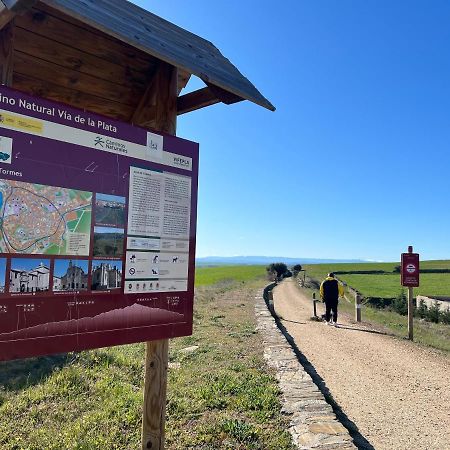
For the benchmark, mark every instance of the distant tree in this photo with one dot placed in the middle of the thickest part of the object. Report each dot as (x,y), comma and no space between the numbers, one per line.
(397,269)
(277,268)
(296,269)
(271,274)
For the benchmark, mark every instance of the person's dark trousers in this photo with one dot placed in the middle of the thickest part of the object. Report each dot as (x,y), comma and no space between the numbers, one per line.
(331,306)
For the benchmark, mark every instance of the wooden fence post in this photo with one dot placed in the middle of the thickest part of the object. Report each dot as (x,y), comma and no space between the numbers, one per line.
(357,307)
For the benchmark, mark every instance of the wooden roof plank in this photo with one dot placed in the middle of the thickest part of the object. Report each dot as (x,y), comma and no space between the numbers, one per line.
(41,88)
(44,33)
(153,35)
(61,76)
(7,54)
(74,59)
(18,6)
(53,27)
(10,8)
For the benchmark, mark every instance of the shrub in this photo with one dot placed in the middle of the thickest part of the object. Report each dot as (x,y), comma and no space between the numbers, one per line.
(400,304)
(422,310)
(445,316)
(434,312)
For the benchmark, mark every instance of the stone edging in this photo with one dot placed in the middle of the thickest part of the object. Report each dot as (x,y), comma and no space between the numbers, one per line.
(313,424)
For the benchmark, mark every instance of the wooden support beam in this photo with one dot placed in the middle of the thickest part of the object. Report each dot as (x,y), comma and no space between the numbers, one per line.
(207,96)
(10,8)
(196,100)
(7,54)
(224,96)
(157,110)
(183,79)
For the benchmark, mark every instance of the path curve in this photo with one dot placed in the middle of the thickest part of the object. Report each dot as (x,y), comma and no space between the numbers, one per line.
(396,392)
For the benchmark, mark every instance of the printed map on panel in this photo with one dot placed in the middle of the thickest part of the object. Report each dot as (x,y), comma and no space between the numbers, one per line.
(38,219)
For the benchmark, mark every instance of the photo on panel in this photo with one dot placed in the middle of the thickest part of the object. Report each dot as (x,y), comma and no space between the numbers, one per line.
(2,275)
(110,210)
(29,275)
(108,242)
(106,275)
(70,275)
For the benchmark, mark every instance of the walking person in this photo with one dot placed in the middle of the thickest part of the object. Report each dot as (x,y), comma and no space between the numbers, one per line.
(330,291)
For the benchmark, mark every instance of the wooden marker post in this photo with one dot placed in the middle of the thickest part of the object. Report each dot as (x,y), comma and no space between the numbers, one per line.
(410,314)
(157,110)
(357,307)
(410,278)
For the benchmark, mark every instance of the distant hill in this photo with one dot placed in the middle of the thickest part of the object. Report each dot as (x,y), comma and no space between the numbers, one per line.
(247,260)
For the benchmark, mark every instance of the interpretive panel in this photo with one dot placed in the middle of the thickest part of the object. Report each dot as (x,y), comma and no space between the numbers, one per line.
(97,230)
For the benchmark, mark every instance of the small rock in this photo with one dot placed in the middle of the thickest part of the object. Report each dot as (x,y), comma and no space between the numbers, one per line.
(191,349)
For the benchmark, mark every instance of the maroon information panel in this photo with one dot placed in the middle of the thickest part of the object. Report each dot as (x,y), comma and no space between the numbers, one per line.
(97,230)
(410,269)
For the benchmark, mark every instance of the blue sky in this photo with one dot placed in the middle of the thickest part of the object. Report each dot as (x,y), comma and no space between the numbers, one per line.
(2,271)
(110,198)
(354,163)
(61,265)
(108,230)
(28,264)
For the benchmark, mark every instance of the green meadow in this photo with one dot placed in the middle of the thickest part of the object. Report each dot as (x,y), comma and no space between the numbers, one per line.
(205,276)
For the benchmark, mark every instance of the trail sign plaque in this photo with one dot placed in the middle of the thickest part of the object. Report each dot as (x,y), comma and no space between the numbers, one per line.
(410,269)
(97,230)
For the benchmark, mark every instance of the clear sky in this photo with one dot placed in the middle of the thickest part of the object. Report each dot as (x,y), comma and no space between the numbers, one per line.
(355,162)
(61,265)
(28,264)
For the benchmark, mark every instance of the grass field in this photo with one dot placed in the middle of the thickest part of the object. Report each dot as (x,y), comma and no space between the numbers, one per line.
(386,285)
(205,276)
(220,396)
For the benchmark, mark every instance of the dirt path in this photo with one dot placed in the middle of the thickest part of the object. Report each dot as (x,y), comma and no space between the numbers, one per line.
(397,393)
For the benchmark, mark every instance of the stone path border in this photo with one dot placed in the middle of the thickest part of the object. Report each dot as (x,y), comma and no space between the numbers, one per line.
(313,424)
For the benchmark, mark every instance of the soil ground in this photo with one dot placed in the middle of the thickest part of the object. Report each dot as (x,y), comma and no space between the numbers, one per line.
(396,392)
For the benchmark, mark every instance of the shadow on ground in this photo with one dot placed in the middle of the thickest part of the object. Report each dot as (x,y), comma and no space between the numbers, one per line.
(17,375)
(365,330)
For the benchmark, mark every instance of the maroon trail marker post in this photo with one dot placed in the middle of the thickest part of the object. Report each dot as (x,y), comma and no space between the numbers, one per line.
(98,197)
(410,271)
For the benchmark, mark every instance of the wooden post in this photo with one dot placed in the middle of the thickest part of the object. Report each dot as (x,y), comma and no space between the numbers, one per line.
(155,394)
(7,54)
(410,313)
(410,306)
(314,304)
(158,109)
(357,307)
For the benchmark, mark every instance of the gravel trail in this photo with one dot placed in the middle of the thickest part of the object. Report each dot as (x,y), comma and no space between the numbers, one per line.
(396,393)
